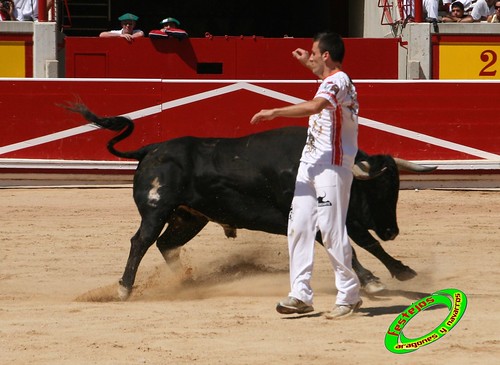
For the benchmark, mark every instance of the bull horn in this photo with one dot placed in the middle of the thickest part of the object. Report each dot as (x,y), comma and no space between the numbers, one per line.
(361,171)
(409,166)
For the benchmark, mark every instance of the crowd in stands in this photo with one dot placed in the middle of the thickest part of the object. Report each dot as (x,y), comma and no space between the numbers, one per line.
(446,11)
(27,10)
(449,11)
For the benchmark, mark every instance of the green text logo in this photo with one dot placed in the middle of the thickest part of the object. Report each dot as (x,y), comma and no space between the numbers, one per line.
(397,342)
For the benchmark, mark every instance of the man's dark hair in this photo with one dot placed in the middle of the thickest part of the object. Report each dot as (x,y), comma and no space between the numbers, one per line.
(457,4)
(332,43)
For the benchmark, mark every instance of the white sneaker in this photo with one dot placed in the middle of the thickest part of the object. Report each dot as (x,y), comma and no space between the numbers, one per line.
(341,311)
(293,305)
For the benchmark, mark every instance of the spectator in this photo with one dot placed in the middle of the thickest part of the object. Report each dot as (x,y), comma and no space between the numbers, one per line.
(128,31)
(27,10)
(170,29)
(457,14)
(495,18)
(429,7)
(482,10)
(7,8)
(447,5)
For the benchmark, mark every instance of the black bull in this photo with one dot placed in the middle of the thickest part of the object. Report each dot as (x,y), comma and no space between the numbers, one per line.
(245,182)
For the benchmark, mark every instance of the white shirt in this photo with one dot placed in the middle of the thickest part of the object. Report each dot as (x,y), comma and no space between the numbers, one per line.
(332,137)
(481,9)
(26,10)
(120,31)
(430,8)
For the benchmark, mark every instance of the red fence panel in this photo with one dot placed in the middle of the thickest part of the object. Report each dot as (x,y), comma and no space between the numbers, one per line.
(405,119)
(219,58)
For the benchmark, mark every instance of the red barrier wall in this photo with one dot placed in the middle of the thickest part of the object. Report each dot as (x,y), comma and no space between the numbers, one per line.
(219,58)
(406,119)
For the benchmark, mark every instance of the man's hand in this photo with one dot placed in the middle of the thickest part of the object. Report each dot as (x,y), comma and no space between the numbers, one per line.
(127,36)
(301,55)
(264,114)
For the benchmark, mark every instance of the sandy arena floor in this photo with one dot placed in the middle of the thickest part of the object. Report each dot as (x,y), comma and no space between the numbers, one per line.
(62,252)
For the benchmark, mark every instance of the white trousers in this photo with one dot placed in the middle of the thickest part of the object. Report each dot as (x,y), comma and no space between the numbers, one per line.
(320,203)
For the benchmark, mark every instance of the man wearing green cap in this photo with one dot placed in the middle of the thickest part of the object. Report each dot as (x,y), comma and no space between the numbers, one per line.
(128,22)
(170,29)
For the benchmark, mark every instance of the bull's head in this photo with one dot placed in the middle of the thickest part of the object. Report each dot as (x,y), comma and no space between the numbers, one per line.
(374,204)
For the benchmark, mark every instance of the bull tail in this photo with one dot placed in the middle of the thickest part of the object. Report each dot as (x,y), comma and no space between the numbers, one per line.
(117,124)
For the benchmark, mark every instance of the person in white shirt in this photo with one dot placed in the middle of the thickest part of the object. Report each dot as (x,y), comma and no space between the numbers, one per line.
(482,10)
(430,9)
(26,10)
(323,180)
(128,22)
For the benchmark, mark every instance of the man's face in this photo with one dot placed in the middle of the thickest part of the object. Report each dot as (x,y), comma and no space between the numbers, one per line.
(457,12)
(316,59)
(128,26)
(497,8)
(169,25)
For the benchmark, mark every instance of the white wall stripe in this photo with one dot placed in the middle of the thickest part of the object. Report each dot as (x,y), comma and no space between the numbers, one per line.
(48,138)
(138,114)
(272,94)
(428,139)
(256,89)
(201,96)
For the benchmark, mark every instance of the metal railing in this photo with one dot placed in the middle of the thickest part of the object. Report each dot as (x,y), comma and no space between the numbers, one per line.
(406,10)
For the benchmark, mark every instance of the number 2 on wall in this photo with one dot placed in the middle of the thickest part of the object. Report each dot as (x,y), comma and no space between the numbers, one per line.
(490,57)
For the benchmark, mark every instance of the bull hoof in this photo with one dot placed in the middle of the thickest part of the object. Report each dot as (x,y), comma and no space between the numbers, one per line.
(123,292)
(374,287)
(405,274)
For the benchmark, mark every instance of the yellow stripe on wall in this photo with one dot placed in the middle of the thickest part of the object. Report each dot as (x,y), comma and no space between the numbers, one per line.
(478,61)
(12,59)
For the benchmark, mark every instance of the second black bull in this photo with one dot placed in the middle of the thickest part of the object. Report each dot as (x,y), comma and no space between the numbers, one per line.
(245,182)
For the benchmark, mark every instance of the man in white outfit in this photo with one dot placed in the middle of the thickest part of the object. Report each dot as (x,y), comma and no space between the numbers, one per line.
(324,179)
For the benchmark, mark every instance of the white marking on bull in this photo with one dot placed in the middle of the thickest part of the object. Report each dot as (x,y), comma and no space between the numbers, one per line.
(154,195)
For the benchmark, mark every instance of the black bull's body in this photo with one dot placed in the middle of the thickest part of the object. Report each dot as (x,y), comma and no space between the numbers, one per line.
(245,182)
